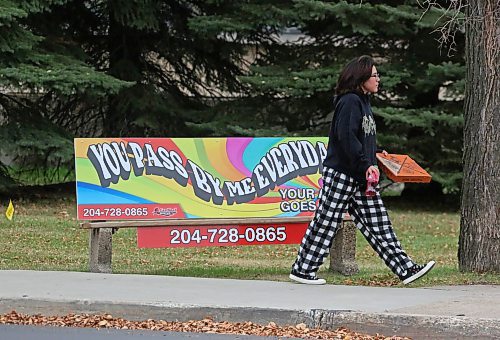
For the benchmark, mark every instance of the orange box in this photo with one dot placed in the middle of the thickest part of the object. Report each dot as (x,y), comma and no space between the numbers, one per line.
(401,168)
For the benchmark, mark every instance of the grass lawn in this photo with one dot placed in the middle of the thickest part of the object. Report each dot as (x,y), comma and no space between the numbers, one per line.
(45,235)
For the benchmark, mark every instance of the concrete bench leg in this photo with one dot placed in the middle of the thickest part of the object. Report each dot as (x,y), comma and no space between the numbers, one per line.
(343,250)
(100,250)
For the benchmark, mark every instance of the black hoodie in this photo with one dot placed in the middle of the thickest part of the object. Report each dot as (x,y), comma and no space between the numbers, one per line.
(352,138)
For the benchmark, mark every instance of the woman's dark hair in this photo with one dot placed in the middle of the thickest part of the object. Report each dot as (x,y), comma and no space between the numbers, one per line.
(354,74)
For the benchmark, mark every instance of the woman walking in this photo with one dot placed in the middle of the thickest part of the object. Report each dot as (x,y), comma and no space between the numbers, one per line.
(349,165)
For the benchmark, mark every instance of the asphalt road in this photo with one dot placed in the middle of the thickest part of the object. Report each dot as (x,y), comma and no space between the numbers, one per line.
(17,332)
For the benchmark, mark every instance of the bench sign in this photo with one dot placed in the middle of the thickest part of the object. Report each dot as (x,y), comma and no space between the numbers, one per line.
(188,178)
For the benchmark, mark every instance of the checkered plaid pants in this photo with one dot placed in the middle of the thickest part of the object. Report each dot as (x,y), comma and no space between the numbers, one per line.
(341,194)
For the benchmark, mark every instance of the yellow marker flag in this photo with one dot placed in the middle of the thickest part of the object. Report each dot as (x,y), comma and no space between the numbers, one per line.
(10,211)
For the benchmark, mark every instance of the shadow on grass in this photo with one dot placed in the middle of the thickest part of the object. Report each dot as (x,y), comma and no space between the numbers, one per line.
(223,272)
(435,203)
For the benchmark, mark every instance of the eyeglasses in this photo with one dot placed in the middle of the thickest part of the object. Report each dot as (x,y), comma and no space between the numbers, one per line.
(376,75)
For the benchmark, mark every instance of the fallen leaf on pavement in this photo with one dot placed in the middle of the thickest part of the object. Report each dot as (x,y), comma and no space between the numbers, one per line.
(207,325)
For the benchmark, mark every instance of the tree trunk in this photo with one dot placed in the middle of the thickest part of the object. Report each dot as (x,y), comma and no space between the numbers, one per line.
(479,242)
(124,46)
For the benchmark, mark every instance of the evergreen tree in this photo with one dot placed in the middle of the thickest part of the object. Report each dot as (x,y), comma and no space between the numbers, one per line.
(44,82)
(419,111)
(220,67)
(177,69)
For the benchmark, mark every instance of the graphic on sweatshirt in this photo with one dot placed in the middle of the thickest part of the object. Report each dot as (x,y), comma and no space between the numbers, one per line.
(368,125)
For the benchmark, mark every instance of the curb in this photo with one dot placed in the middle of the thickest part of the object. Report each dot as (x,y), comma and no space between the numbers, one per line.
(411,325)
(416,326)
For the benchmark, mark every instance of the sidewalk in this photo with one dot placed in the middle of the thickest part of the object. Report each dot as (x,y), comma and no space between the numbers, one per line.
(437,312)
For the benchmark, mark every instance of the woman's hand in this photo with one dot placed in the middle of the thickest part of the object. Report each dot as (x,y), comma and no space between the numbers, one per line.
(385,153)
(374,172)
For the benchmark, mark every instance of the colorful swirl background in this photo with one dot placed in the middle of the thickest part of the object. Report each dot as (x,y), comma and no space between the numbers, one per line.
(228,159)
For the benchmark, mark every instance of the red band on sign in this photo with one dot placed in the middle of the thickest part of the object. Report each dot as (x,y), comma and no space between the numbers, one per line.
(207,236)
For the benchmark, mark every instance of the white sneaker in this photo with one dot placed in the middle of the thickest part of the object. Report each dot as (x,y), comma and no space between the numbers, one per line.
(416,272)
(306,279)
